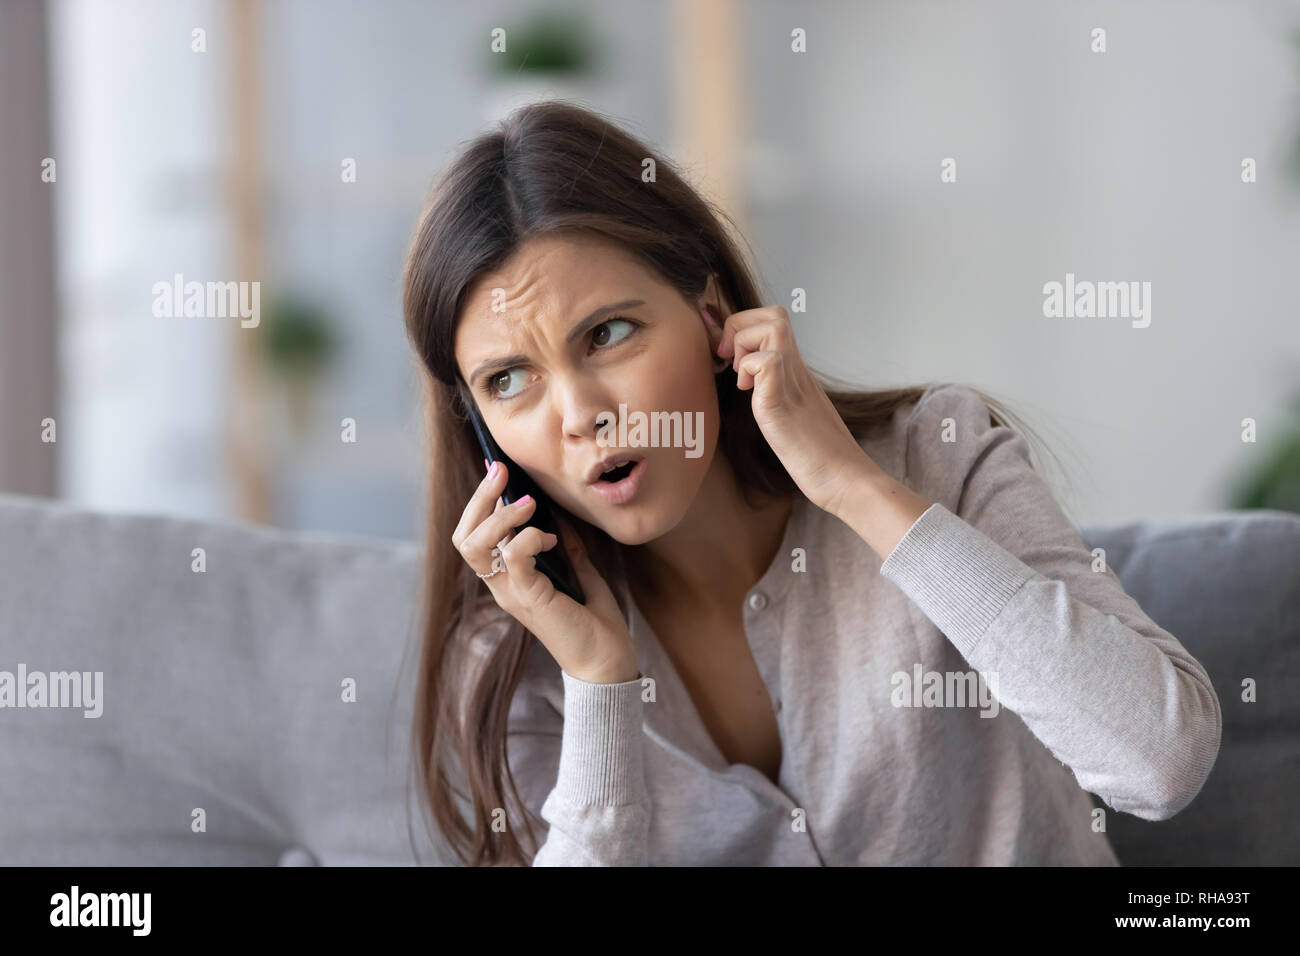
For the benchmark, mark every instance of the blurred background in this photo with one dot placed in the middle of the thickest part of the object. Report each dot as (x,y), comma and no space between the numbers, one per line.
(292,143)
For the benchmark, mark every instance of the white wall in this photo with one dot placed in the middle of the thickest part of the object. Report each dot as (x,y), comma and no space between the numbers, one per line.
(137,127)
(1115,166)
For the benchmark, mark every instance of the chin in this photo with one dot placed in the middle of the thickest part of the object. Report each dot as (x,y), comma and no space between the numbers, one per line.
(625,527)
(639,524)
(633,538)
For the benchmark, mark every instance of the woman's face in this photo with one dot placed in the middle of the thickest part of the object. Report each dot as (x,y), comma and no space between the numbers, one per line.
(555,341)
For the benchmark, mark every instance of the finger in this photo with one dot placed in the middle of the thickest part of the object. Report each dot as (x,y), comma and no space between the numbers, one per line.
(521,553)
(501,503)
(737,322)
(480,504)
(523,588)
(754,364)
(496,530)
(769,335)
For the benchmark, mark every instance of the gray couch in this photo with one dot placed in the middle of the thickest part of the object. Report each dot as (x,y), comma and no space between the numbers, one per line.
(223,691)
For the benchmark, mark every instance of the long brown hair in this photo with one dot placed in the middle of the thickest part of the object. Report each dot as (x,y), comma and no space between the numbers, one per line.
(550,167)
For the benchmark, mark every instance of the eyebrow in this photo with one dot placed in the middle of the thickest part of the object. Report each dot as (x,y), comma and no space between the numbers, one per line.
(580,329)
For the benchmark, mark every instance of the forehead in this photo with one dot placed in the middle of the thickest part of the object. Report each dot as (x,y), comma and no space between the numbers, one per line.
(555,271)
(555,279)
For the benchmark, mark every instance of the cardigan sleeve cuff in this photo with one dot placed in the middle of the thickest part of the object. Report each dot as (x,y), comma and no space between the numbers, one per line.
(957,575)
(601,756)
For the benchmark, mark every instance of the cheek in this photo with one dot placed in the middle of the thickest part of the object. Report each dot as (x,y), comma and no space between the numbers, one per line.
(687,387)
(525,447)
(681,382)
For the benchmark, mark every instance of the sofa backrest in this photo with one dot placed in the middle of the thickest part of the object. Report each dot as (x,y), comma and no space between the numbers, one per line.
(225,692)
(1227,585)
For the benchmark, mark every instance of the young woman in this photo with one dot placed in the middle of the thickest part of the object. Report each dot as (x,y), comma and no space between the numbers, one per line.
(845,627)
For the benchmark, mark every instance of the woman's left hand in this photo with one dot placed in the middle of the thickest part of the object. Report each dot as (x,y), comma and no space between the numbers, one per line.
(792,409)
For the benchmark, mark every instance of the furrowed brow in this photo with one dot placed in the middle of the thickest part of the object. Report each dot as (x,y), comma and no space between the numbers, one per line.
(578,330)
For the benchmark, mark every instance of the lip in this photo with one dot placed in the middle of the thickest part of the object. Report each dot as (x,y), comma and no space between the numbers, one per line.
(620,492)
(608,462)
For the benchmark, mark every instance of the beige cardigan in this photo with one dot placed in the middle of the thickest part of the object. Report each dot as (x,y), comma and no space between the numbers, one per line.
(954,704)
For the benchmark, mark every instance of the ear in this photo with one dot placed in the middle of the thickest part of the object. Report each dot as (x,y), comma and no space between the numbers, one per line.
(715,300)
(717,305)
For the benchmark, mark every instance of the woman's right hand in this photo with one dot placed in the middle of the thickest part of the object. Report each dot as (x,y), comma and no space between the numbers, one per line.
(589,642)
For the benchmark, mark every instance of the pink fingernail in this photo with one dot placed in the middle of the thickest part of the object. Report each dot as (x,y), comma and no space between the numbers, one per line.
(524,500)
(492,472)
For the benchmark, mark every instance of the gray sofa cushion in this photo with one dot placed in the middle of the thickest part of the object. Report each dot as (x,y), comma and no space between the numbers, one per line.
(223,689)
(1227,585)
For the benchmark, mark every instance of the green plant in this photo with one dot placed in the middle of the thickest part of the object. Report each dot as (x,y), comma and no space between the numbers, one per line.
(1276,483)
(550,41)
(297,338)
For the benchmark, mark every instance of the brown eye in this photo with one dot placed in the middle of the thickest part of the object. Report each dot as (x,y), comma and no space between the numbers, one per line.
(600,336)
(498,384)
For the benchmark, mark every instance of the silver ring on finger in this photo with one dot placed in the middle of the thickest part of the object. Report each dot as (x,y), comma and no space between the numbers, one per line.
(498,564)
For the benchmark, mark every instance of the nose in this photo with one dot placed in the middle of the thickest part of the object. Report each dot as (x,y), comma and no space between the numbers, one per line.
(582,403)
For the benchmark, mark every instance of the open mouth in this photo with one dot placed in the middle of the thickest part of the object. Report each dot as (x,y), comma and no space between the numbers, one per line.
(620,484)
(619,473)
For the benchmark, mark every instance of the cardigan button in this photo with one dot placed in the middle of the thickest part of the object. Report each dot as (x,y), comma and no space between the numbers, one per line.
(758,600)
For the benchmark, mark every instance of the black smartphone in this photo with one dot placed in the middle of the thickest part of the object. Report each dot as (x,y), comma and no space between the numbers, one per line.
(554,563)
